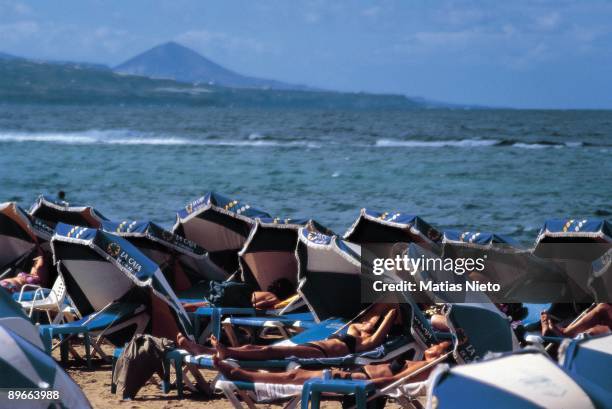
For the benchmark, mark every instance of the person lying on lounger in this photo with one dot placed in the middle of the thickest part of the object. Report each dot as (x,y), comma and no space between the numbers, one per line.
(379,374)
(595,322)
(38,275)
(368,333)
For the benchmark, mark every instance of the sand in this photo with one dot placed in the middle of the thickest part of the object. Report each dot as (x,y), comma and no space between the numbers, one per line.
(96,383)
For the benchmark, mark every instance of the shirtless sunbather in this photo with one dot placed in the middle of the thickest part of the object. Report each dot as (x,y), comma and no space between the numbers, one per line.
(380,374)
(595,322)
(370,332)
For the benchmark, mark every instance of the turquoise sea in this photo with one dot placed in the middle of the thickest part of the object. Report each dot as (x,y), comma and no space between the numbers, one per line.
(490,170)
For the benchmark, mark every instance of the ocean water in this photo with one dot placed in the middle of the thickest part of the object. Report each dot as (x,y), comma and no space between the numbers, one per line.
(504,171)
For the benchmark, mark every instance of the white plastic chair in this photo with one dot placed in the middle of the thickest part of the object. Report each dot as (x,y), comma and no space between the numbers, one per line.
(52,303)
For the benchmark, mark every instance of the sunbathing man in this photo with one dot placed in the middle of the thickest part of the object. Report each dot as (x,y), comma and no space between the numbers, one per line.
(370,332)
(379,374)
(595,322)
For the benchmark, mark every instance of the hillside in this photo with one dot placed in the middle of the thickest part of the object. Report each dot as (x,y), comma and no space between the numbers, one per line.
(179,63)
(26,81)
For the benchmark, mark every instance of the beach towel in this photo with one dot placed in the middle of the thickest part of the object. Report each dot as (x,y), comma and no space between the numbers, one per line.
(141,358)
(230,294)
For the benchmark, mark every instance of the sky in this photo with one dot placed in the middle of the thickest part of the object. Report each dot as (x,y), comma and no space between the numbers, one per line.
(520,53)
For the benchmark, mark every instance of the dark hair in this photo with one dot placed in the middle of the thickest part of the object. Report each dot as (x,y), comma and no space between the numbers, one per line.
(282,288)
(61,195)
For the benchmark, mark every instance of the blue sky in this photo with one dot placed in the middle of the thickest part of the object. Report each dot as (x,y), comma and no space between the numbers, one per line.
(538,53)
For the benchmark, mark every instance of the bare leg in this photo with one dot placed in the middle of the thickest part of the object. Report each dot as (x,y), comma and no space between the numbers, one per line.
(601,315)
(192,347)
(294,377)
(260,353)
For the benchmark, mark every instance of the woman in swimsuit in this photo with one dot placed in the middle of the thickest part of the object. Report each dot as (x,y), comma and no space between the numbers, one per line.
(380,374)
(370,332)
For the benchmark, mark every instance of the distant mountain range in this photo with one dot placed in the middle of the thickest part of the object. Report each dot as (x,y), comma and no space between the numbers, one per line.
(40,82)
(172,73)
(179,63)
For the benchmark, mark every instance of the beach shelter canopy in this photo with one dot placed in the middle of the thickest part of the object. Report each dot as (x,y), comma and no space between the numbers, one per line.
(374,228)
(521,380)
(478,240)
(219,225)
(329,274)
(13,318)
(53,212)
(589,362)
(577,239)
(164,248)
(522,276)
(268,254)
(19,234)
(24,366)
(100,269)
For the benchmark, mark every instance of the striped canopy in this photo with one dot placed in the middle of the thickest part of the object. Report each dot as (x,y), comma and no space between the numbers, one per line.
(23,365)
(13,318)
(53,212)
(219,225)
(589,362)
(19,234)
(268,254)
(522,380)
(100,268)
(375,228)
(165,247)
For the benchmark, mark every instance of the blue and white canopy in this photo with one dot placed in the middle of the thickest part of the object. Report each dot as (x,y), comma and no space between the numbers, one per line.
(53,212)
(329,273)
(372,227)
(268,254)
(522,380)
(594,229)
(13,318)
(574,239)
(589,362)
(24,366)
(522,276)
(20,233)
(164,248)
(100,268)
(478,240)
(219,225)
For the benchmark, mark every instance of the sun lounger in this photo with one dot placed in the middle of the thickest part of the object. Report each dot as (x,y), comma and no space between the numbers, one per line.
(588,360)
(101,324)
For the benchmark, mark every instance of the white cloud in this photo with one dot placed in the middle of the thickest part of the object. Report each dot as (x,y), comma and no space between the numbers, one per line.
(17,31)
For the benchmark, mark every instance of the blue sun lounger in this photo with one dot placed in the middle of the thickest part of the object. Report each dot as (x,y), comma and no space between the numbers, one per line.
(588,360)
(470,343)
(100,322)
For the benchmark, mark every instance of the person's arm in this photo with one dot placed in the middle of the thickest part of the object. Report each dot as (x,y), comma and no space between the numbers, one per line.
(380,334)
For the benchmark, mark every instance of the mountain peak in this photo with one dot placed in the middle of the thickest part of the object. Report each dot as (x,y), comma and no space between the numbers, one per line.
(174,61)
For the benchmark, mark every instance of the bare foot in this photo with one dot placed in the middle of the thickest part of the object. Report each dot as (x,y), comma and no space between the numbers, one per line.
(548,326)
(191,347)
(219,347)
(224,368)
(436,351)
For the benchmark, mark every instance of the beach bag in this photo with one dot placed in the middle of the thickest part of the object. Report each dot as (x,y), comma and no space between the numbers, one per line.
(230,294)
(142,357)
